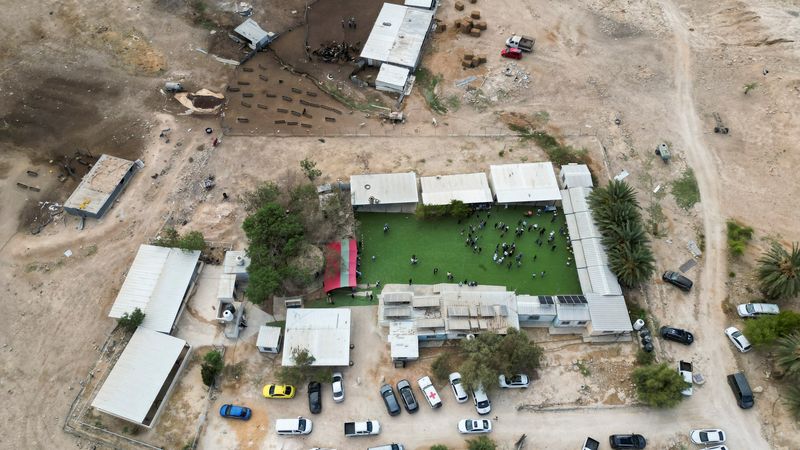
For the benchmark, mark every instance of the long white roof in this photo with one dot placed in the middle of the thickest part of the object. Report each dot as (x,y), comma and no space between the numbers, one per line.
(467,187)
(586,226)
(324,332)
(156,284)
(609,313)
(579,199)
(98,185)
(398,35)
(139,374)
(524,183)
(386,188)
(602,280)
(589,253)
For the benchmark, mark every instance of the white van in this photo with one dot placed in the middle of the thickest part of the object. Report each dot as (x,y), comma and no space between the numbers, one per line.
(300,425)
(429,392)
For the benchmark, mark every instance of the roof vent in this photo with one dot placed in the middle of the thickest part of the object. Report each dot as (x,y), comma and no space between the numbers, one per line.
(387,24)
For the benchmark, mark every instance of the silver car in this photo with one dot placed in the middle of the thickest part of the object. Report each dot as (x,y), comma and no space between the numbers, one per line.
(757,309)
(458,389)
(337,382)
(739,340)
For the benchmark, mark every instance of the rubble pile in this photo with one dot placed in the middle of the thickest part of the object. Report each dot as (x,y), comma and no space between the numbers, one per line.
(333,51)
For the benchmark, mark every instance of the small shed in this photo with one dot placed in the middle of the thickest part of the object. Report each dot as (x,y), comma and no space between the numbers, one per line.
(575,175)
(609,315)
(527,184)
(384,192)
(391,78)
(269,339)
(236,262)
(404,341)
(253,35)
(469,188)
(100,187)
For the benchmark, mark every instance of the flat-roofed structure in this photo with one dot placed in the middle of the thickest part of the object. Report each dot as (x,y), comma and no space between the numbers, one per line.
(403,341)
(253,35)
(575,175)
(159,282)
(528,183)
(469,188)
(391,78)
(398,36)
(139,384)
(100,187)
(324,332)
(384,192)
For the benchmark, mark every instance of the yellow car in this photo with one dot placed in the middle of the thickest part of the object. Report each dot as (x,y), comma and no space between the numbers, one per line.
(279,391)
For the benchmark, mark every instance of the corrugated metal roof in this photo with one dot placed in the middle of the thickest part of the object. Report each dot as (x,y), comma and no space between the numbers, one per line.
(398,35)
(594,252)
(609,313)
(396,297)
(603,281)
(97,185)
(572,227)
(324,332)
(523,183)
(252,31)
(572,312)
(156,283)
(396,311)
(384,188)
(139,374)
(458,324)
(430,323)
(534,308)
(576,175)
(420,3)
(392,75)
(566,202)
(578,198)
(458,311)
(468,188)
(403,339)
(584,280)
(426,302)
(586,227)
(268,336)
(577,252)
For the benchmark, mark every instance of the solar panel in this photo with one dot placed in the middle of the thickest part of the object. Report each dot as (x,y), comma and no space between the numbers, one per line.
(458,311)
(546,300)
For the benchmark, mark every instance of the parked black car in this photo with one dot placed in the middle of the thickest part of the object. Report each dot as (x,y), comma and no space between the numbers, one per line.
(409,401)
(677,280)
(677,335)
(636,441)
(387,393)
(741,390)
(314,397)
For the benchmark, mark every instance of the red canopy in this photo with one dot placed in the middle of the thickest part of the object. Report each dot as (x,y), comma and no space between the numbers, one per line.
(340,264)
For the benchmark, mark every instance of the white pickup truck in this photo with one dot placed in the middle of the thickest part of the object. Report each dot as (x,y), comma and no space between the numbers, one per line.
(364,428)
(523,43)
(429,392)
(685,369)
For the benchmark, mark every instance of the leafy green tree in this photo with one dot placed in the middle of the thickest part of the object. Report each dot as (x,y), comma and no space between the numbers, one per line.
(168,238)
(779,271)
(659,386)
(765,330)
(266,193)
(303,370)
(264,281)
(489,355)
(459,210)
(310,169)
(130,322)
(213,363)
(481,443)
(788,355)
(442,366)
(192,240)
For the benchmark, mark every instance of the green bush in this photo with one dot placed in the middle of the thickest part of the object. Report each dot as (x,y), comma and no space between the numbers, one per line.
(212,366)
(456,209)
(439,447)
(644,358)
(130,322)
(738,237)
(481,443)
(765,330)
(170,237)
(685,190)
(659,386)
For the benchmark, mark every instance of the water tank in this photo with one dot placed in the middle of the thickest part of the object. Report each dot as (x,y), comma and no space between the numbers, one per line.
(227,316)
(239,260)
(638,324)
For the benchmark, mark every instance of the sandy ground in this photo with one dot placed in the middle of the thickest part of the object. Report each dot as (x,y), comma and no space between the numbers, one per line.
(661,66)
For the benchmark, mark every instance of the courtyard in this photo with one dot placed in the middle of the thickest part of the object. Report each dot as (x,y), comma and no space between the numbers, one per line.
(442,244)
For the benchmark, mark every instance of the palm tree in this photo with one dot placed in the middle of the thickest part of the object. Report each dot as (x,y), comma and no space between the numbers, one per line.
(792,400)
(779,271)
(632,264)
(620,191)
(630,233)
(788,350)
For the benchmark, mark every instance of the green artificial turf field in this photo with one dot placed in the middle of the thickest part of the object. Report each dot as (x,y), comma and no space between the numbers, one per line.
(439,243)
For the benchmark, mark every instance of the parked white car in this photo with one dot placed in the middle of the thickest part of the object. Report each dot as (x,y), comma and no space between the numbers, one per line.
(458,388)
(685,369)
(475,426)
(758,309)
(708,436)
(481,401)
(337,382)
(518,381)
(739,340)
